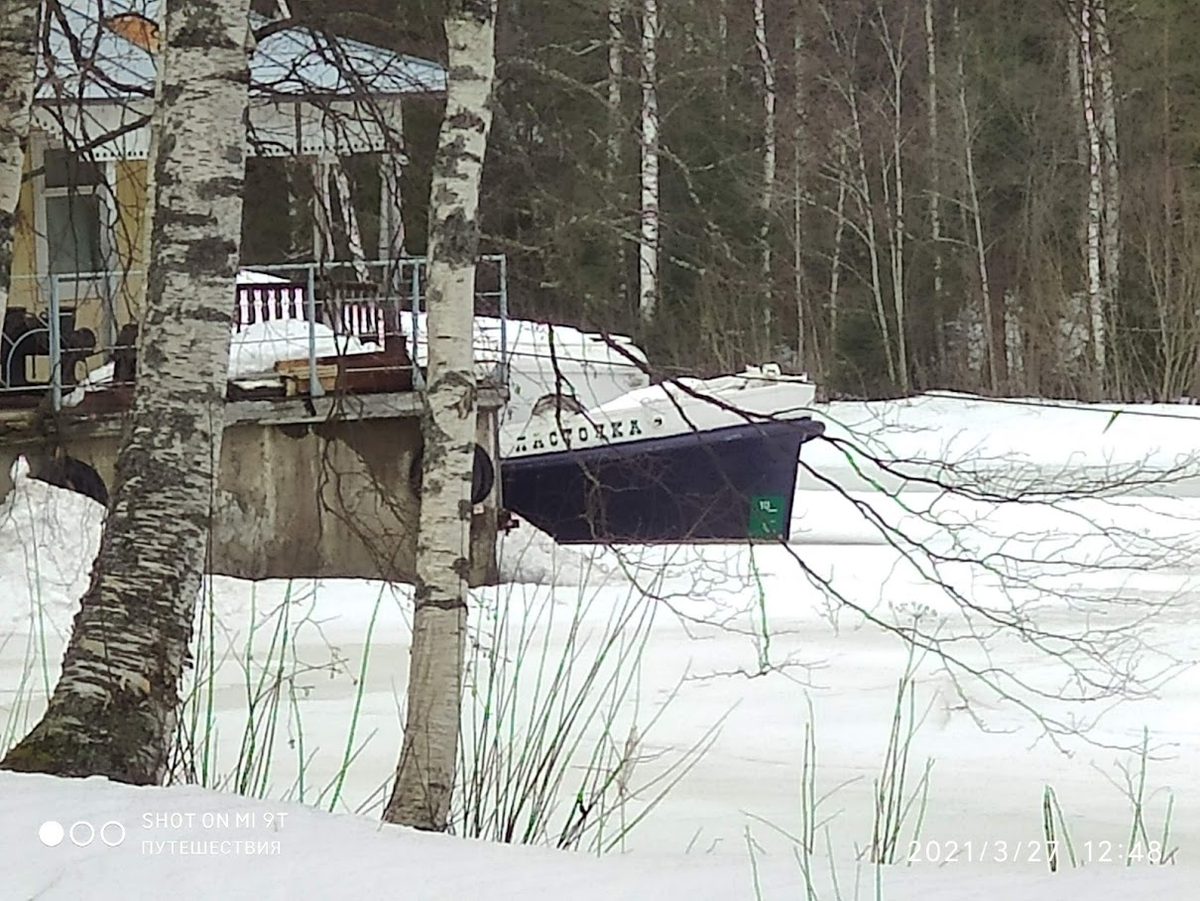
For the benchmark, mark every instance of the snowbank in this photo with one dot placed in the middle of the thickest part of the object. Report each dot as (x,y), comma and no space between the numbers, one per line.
(67,839)
(48,540)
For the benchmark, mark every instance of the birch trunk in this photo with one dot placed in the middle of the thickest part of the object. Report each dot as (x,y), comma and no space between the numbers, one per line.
(770,143)
(324,249)
(391,206)
(798,155)
(358,255)
(113,710)
(1095,194)
(976,215)
(866,206)
(1111,230)
(648,244)
(839,235)
(895,56)
(18,40)
(426,771)
(723,55)
(935,181)
(616,72)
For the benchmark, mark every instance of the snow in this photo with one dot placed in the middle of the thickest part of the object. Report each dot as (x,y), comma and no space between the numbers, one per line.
(1090,561)
(254,350)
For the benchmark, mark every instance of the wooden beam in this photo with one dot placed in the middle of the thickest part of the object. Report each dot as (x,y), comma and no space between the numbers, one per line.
(32,427)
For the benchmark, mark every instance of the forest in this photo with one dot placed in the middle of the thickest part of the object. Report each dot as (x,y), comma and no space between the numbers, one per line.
(894,195)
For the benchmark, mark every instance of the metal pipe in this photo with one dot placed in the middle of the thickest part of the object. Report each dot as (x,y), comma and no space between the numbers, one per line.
(503,320)
(415,286)
(55,328)
(314,383)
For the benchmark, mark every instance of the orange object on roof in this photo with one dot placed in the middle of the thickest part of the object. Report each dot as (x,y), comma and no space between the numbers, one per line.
(136,29)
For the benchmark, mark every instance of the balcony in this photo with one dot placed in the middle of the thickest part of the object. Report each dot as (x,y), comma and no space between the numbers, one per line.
(299,331)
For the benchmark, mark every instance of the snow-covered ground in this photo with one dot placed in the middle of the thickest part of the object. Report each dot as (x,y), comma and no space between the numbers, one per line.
(747,653)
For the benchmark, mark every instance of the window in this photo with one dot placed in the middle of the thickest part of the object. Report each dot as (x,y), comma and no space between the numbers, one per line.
(74,213)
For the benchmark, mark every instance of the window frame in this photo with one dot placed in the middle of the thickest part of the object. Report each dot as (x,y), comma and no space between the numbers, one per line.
(69,282)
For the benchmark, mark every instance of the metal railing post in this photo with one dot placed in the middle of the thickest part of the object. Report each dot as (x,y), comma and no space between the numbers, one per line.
(415,287)
(314,382)
(55,329)
(504,320)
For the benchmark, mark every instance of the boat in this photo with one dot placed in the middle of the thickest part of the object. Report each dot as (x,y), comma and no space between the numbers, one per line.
(685,461)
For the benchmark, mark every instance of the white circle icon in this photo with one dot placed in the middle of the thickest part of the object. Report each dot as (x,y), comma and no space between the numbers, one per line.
(91,833)
(51,833)
(117,833)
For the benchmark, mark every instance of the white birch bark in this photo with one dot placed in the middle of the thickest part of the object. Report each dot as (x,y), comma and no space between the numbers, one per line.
(935,176)
(323,245)
(976,215)
(770,144)
(1095,193)
(839,236)
(616,71)
(798,154)
(18,41)
(616,74)
(723,55)
(358,256)
(649,236)
(391,206)
(113,710)
(426,771)
(894,50)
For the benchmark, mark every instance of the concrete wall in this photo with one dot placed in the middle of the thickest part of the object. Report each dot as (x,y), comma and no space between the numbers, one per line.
(329,499)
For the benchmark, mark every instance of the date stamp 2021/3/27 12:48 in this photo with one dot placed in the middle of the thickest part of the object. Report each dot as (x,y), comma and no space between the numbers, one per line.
(950,851)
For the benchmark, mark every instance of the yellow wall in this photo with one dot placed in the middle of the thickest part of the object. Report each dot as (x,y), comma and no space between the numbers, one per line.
(23,292)
(91,311)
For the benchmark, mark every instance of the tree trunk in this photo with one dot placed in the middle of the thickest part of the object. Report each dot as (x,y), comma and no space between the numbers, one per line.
(935,183)
(839,234)
(18,40)
(426,771)
(974,208)
(616,73)
(358,255)
(798,157)
(1095,196)
(648,246)
(894,50)
(770,144)
(391,205)
(866,206)
(113,710)
(1112,182)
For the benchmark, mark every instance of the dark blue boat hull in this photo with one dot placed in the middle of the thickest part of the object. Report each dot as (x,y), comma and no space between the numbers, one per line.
(731,484)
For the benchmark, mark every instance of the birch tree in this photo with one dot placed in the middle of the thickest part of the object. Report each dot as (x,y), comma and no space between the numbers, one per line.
(974,209)
(113,710)
(648,245)
(18,38)
(770,143)
(1095,196)
(799,144)
(895,53)
(935,175)
(1108,131)
(426,771)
